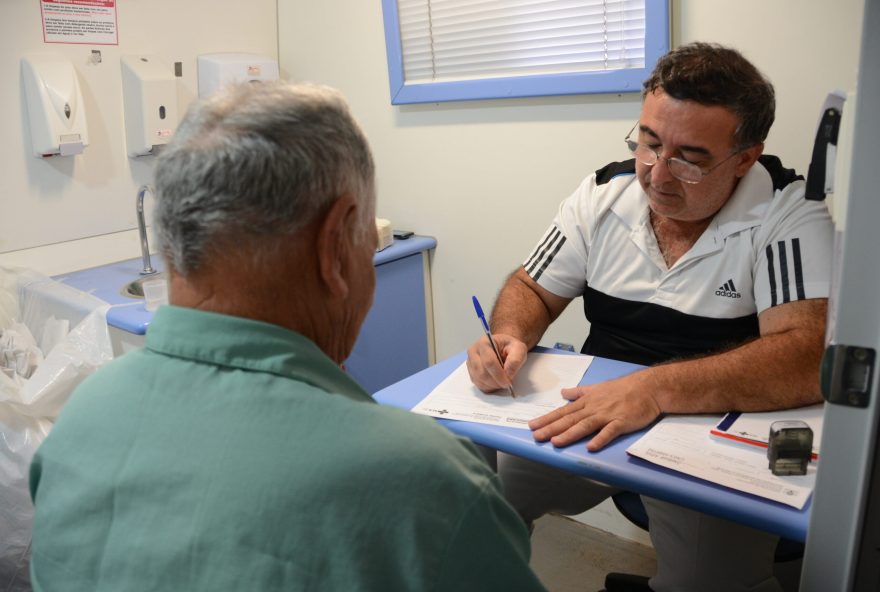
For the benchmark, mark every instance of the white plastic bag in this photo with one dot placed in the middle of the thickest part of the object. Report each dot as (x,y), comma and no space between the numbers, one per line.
(28,406)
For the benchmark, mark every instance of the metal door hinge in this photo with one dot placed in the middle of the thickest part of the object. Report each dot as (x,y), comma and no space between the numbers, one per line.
(846,374)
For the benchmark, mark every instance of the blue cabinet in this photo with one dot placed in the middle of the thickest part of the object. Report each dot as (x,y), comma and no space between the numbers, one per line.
(397,337)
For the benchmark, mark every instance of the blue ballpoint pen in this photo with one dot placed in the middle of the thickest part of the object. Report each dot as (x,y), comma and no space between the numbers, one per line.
(482,318)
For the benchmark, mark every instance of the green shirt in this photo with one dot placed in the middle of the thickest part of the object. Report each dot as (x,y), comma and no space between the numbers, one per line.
(230,454)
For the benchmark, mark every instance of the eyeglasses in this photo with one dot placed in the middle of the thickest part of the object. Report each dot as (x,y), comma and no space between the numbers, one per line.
(684,171)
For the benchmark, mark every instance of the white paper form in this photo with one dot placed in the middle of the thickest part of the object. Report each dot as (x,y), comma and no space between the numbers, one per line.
(682,443)
(537,386)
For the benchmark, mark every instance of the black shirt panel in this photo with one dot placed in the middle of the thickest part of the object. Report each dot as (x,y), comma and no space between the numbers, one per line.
(647,333)
(611,170)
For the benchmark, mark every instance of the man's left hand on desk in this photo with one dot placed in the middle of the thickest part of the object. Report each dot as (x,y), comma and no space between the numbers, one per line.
(608,409)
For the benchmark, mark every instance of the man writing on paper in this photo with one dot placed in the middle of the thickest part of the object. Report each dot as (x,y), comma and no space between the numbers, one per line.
(698,257)
(232,453)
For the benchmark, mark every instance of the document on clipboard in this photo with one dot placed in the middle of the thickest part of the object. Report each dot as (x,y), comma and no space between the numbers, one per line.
(753,429)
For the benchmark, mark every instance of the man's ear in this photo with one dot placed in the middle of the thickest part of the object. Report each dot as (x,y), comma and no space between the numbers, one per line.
(746,158)
(334,244)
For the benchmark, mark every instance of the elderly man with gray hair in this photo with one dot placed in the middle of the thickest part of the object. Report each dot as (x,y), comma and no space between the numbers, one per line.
(232,453)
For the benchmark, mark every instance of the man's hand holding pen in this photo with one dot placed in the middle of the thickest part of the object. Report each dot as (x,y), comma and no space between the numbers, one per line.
(484,367)
(498,364)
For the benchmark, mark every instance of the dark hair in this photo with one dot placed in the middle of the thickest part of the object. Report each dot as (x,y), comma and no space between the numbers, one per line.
(711,74)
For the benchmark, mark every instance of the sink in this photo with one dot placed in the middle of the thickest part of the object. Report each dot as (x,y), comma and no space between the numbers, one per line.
(135,289)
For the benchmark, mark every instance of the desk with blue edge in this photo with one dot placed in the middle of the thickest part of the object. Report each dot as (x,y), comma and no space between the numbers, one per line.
(612,464)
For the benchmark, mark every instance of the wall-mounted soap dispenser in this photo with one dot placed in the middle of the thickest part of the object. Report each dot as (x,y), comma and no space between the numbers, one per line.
(56,112)
(219,69)
(149,95)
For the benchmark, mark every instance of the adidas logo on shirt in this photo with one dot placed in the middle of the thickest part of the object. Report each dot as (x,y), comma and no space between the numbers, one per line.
(728,290)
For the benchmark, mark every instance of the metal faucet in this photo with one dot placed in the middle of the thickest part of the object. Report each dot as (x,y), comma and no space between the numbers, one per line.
(142,229)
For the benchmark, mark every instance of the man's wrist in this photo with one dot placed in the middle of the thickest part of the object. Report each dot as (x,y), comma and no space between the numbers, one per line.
(652,382)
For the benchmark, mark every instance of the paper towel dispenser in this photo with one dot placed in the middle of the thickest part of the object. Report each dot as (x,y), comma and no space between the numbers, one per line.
(55,108)
(219,69)
(149,95)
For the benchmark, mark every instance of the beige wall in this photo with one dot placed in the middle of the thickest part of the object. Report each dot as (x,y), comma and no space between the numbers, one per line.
(486,177)
(65,213)
(483,177)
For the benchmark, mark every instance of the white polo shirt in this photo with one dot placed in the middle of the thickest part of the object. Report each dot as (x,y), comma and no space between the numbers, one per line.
(765,247)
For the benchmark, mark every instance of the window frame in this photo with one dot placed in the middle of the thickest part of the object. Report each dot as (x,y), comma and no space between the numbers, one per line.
(657,40)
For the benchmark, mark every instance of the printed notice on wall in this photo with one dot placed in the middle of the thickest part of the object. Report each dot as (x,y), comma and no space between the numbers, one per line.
(79,21)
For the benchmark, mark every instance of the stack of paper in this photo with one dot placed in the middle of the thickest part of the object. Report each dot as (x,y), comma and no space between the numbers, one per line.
(683,443)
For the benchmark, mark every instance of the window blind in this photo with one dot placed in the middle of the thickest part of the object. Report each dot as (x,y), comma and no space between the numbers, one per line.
(458,40)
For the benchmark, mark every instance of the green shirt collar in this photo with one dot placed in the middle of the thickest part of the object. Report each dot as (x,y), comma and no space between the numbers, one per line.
(237,342)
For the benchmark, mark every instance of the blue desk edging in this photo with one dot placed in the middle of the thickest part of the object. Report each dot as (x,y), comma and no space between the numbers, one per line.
(612,464)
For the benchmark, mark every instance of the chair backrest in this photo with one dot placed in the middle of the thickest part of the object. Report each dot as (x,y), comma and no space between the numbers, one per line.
(630,505)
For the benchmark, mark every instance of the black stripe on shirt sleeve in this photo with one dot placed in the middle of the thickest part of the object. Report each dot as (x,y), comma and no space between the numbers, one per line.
(798,268)
(549,258)
(551,232)
(539,260)
(783,271)
(772,275)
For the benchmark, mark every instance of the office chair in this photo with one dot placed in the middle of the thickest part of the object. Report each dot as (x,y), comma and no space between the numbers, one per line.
(630,505)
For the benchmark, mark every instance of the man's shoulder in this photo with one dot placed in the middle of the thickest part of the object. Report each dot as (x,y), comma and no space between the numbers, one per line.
(420,433)
(780,176)
(415,442)
(121,375)
(615,169)
(786,202)
(767,193)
